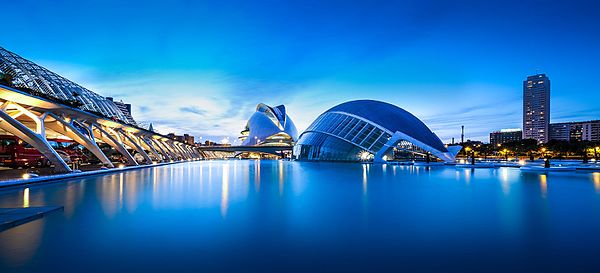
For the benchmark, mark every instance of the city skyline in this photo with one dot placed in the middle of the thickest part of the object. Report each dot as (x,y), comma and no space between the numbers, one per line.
(210,65)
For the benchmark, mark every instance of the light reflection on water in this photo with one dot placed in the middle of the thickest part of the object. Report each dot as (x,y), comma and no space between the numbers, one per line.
(26,198)
(265,208)
(225,190)
(544,185)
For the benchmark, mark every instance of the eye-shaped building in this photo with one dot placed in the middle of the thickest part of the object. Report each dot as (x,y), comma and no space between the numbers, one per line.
(269,126)
(366,129)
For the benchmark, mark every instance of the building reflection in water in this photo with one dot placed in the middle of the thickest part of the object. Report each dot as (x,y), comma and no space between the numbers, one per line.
(596,178)
(365,178)
(108,193)
(120,191)
(504,181)
(26,198)
(225,190)
(75,192)
(257,175)
(468,172)
(131,188)
(543,185)
(280,176)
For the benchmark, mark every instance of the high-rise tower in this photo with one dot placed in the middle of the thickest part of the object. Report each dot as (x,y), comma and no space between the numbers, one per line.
(536,108)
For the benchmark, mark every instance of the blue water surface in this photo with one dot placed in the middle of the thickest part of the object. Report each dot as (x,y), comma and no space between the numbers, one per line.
(282,216)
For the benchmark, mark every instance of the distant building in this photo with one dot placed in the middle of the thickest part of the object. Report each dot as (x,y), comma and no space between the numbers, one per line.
(125,108)
(536,108)
(269,126)
(505,135)
(575,131)
(364,130)
(188,139)
(185,138)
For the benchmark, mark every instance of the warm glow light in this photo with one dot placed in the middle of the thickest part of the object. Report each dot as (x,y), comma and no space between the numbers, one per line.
(121,166)
(26,198)
(543,185)
(521,162)
(364,155)
(26,176)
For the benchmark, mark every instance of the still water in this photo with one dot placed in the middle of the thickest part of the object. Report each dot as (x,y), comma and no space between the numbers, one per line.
(280,216)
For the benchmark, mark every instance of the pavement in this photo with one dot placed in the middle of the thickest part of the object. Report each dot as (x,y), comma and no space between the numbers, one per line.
(12,174)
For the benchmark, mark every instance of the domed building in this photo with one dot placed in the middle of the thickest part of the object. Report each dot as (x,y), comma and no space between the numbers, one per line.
(269,126)
(363,130)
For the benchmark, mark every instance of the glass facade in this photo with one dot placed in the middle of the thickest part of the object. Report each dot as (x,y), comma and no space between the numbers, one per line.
(364,130)
(340,137)
(42,82)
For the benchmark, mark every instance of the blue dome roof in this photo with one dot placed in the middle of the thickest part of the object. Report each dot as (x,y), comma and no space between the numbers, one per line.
(392,118)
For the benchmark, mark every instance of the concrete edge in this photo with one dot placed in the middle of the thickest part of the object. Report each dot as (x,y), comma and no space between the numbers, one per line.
(29,218)
(58,177)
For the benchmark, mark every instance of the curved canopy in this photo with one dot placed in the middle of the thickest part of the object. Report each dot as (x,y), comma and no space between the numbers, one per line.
(392,118)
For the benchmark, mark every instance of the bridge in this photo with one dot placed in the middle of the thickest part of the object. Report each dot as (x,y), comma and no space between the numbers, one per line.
(37,104)
(275,150)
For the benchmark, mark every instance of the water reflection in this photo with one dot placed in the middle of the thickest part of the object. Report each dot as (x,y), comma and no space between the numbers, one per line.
(257,176)
(18,245)
(225,190)
(365,177)
(26,198)
(353,203)
(280,168)
(543,185)
(504,181)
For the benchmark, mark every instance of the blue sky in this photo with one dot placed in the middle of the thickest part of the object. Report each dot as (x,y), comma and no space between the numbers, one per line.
(202,66)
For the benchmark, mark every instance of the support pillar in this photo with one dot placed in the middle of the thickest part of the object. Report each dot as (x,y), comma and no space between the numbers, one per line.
(36,139)
(67,129)
(103,135)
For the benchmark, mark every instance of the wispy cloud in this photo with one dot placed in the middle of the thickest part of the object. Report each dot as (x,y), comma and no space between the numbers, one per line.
(194,110)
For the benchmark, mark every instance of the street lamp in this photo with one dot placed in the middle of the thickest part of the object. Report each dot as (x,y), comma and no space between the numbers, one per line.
(472,154)
(543,150)
(505,154)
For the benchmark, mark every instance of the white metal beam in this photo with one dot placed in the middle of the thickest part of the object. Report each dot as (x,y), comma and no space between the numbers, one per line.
(100,133)
(36,139)
(67,129)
